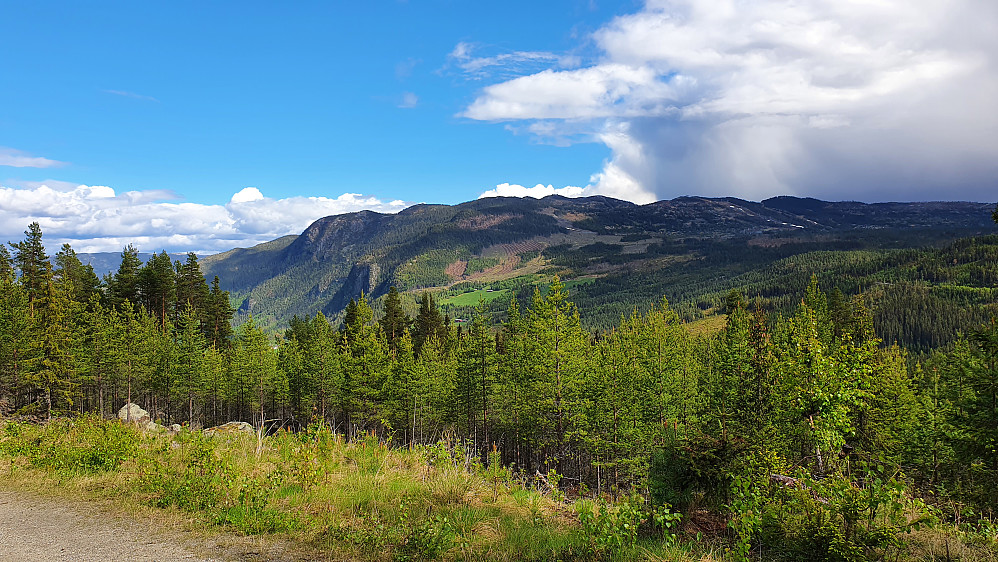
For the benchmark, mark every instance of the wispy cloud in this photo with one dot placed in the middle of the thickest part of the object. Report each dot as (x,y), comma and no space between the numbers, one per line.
(504,65)
(403,69)
(409,100)
(869,100)
(20,159)
(97,218)
(132,95)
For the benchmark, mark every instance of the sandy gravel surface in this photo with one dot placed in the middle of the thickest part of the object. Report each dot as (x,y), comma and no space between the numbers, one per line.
(37,528)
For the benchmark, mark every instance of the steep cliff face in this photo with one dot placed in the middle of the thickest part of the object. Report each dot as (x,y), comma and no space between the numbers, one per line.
(338,257)
(362,279)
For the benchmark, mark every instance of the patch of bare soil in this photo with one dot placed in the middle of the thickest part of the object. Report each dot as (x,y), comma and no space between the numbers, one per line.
(37,528)
(40,527)
(456,269)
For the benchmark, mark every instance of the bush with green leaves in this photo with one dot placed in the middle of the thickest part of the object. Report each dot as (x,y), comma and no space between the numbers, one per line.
(87,445)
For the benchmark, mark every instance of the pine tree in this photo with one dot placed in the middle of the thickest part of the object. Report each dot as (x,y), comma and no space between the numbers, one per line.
(366,364)
(556,361)
(157,287)
(140,347)
(476,376)
(33,264)
(14,333)
(323,366)
(100,358)
(51,372)
(189,367)
(254,371)
(77,280)
(395,320)
(428,322)
(191,287)
(123,287)
(218,327)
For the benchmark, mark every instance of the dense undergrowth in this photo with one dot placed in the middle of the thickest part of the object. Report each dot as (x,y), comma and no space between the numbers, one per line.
(369,500)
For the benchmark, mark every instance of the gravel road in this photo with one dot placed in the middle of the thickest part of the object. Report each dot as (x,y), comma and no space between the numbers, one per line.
(38,528)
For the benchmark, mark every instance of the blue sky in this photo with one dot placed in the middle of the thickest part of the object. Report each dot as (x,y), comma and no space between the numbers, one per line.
(204,126)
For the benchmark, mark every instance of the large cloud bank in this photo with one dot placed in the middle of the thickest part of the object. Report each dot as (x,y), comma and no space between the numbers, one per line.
(840,99)
(96,219)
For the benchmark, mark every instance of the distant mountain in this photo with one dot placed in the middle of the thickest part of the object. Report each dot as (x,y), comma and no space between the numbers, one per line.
(500,245)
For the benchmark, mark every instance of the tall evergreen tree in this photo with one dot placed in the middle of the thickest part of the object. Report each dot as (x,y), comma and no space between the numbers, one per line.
(556,360)
(254,372)
(78,281)
(191,287)
(100,358)
(33,264)
(123,287)
(189,367)
(51,372)
(395,321)
(14,334)
(476,376)
(428,322)
(218,328)
(157,287)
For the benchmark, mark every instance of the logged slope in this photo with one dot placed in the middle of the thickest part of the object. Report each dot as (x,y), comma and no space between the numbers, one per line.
(496,240)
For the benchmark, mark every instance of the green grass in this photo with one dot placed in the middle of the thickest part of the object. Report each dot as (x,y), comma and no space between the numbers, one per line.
(572,283)
(471,298)
(320,497)
(326,497)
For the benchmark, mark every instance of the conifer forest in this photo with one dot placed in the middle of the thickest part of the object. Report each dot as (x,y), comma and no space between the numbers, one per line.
(796,427)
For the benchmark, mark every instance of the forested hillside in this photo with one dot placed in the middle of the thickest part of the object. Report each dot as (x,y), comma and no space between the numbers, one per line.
(692,249)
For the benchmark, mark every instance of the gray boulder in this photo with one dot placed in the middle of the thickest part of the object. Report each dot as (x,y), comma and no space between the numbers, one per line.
(230,428)
(133,413)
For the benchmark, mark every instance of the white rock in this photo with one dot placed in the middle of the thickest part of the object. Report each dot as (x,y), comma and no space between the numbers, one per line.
(133,413)
(231,427)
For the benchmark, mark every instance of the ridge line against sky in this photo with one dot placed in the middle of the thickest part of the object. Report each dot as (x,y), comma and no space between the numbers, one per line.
(330,109)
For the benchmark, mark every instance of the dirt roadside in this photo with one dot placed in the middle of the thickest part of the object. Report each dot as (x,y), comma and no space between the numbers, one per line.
(39,528)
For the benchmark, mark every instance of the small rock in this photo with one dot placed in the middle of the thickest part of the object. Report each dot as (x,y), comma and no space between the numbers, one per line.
(133,413)
(175,428)
(231,427)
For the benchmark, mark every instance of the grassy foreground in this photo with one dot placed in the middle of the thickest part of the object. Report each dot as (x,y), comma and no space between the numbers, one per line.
(329,499)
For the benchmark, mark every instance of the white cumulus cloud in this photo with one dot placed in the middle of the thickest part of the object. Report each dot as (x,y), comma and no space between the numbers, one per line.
(97,219)
(538,191)
(839,99)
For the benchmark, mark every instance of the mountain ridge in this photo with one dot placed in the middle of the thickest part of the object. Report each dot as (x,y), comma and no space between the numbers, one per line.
(432,246)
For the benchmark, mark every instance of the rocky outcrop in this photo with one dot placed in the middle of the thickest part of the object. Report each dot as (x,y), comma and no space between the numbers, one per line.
(363,279)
